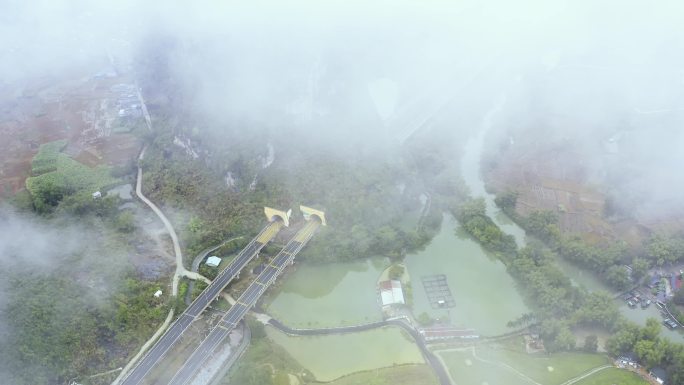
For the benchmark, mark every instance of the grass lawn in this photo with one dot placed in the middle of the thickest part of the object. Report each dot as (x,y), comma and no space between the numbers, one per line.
(549,370)
(613,376)
(493,366)
(399,375)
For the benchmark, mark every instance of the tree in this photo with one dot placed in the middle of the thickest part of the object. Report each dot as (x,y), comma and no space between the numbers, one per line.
(640,268)
(679,297)
(651,331)
(396,272)
(618,277)
(125,222)
(565,340)
(544,224)
(661,249)
(598,309)
(257,328)
(507,201)
(424,319)
(591,343)
(623,341)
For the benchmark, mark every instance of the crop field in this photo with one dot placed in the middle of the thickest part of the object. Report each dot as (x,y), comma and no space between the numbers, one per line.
(52,167)
(74,113)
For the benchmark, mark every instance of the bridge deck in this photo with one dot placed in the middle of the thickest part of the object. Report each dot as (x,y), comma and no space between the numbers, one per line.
(243,304)
(176,330)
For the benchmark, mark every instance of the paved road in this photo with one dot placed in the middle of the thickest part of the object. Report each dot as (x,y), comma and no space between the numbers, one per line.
(195,266)
(154,355)
(246,301)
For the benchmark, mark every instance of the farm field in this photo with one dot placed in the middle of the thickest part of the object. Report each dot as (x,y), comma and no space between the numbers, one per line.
(54,168)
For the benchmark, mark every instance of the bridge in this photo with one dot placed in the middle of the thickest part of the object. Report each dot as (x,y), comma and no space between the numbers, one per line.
(248,299)
(167,341)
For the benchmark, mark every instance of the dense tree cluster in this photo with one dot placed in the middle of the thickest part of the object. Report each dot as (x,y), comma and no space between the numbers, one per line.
(597,309)
(659,249)
(60,332)
(651,349)
(473,218)
(559,305)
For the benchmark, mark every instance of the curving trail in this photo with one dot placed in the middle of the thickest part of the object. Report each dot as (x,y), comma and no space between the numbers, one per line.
(587,374)
(180,270)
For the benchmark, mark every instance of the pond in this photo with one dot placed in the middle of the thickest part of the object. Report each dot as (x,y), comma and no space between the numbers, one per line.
(485,295)
(330,357)
(334,294)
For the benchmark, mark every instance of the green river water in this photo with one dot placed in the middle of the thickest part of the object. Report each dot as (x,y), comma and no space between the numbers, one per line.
(485,295)
(334,294)
(330,357)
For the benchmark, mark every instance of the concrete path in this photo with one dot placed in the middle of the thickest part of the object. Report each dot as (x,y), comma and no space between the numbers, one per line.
(587,374)
(180,270)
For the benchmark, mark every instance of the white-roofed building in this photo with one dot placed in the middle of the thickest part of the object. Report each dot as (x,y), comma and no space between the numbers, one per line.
(391,293)
(213,261)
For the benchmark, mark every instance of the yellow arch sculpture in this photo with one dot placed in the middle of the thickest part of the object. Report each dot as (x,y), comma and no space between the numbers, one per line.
(308,212)
(273,214)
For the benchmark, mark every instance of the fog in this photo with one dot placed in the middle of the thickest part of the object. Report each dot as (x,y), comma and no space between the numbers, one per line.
(359,77)
(34,248)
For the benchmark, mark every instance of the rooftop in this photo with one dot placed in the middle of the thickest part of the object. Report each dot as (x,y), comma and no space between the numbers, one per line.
(213,261)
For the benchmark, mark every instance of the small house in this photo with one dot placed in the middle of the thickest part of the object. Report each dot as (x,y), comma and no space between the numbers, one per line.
(659,374)
(391,293)
(213,261)
(157,294)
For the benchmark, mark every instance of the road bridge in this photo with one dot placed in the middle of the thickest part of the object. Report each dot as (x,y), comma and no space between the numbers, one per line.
(176,330)
(246,301)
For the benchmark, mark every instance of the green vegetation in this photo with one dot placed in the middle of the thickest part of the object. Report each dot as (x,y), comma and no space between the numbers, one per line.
(395,272)
(46,158)
(397,375)
(651,349)
(369,209)
(599,309)
(590,344)
(60,330)
(665,248)
(559,304)
(264,363)
(56,176)
(613,376)
(473,217)
(424,319)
